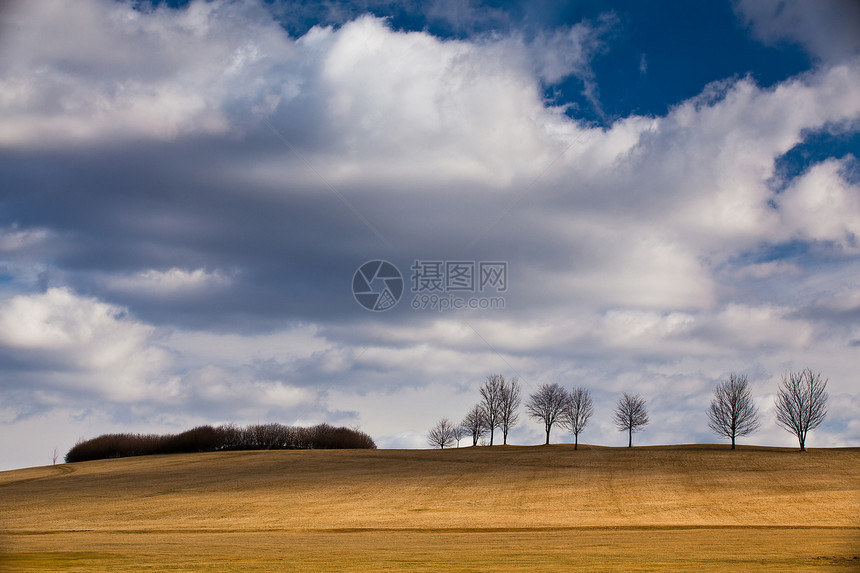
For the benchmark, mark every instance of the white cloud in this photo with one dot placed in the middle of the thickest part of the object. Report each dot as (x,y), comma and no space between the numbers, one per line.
(233,392)
(409,104)
(629,247)
(768,269)
(751,328)
(569,51)
(200,348)
(827,29)
(59,319)
(12,239)
(845,299)
(628,267)
(389,104)
(82,344)
(712,156)
(822,206)
(174,281)
(626,327)
(73,351)
(90,70)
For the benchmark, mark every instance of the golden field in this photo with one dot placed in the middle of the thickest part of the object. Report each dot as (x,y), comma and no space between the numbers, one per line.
(537,508)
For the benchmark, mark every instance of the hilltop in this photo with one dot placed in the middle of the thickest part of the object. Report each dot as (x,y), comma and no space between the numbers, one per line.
(468,507)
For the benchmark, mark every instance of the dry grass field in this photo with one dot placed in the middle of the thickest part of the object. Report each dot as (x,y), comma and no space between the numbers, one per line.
(542,508)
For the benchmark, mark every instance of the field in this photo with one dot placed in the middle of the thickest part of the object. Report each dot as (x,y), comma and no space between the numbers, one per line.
(542,508)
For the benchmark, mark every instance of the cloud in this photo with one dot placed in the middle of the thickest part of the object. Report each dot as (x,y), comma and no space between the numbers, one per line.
(13,240)
(179,200)
(827,29)
(471,16)
(216,68)
(78,72)
(173,281)
(713,154)
(75,361)
(234,392)
(569,52)
(821,205)
(62,342)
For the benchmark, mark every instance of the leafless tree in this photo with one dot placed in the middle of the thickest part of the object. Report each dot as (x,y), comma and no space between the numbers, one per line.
(508,406)
(56,454)
(442,434)
(631,415)
(475,424)
(732,412)
(458,432)
(547,405)
(491,402)
(577,411)
(801,404)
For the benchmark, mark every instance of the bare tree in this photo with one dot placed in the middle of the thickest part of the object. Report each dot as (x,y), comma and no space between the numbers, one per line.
(801,404)
(631,415)
(491,402)
(508,406)
(577,411)
(732,412)
(458,432)
(547,405)
(56,454)
(442,434)
(475,424)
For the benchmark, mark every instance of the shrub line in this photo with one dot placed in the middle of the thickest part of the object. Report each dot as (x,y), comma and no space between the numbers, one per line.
(221,438)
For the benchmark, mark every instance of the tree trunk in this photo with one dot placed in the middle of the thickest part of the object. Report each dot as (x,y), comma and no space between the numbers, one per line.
(491,436)
(629,437)
(575,441)
(504,437)
(802,444)
(547,437)
(733,442)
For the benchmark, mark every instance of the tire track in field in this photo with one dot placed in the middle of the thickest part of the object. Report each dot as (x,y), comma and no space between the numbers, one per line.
(61,470)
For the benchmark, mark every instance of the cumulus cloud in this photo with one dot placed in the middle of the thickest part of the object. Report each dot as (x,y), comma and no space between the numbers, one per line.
(192,180)
(713,155)
(94,70)
(827,29)
(63,353)
(822,206)
(410,104)
(65,342)
(215,68)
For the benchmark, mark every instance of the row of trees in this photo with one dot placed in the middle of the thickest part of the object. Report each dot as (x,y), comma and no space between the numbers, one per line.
(224,437)
(801,406)
(498,409)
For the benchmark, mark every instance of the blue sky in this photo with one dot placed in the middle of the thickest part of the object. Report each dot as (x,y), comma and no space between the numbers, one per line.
(187,191)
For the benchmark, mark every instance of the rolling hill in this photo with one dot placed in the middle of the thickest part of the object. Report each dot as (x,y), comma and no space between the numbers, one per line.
(509,508)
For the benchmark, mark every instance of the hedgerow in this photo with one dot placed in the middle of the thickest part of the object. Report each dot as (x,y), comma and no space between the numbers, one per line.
(220,438)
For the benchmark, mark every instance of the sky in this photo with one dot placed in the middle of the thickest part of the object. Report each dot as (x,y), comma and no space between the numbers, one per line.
(627,196)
